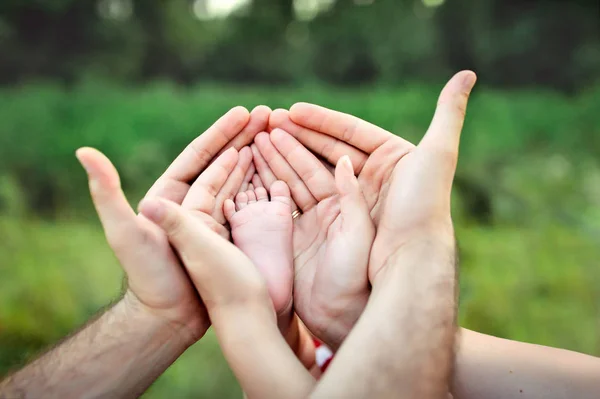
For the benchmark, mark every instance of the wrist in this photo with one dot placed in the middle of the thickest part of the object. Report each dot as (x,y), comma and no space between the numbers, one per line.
(332,321)
(159,327)
(422,250)
(396,249)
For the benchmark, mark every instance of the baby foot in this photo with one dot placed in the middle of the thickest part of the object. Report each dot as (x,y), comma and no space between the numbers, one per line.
(262,229)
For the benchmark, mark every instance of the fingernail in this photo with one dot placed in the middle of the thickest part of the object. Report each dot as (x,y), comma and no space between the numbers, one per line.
(83,164)
(347,163)
(469,81)
(229,150)
(153,209)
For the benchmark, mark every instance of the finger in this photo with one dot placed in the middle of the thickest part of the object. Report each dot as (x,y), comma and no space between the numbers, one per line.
(241,201)
(174,183)
(444,132)
(352,130)
(119,221)
(266,175)
(233,183)
(251,196)
(258,122)
(203,192)
(256,182)
(327,147)
(283,171)
(232,289)
(248,178)
(261,194)
(353,206)
(201,249)
(280,192)
(265,178)
(114,211)
(229,209)
(250,187)
(309,168)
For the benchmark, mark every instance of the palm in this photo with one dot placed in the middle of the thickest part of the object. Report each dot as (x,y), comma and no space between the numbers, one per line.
(156,280)
(405,186)
(164,288)
(312,243)
(330,288)
(331,284)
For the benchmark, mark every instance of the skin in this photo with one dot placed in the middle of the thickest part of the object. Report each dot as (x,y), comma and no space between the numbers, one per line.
(486,366)
(414,339)
(261,228)
(332,237)
(239,305)
(420,256)
(212,300)
(423,269)
(160,314)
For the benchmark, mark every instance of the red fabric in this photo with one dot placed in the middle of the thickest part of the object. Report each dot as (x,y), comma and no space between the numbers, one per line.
(326,361)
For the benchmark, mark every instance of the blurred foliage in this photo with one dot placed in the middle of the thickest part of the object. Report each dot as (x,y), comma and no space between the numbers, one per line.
(139,79)
(508,42)
(55,276)
(526,205)
(520,148)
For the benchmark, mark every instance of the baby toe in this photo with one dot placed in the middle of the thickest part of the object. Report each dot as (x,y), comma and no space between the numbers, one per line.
(228,209)
(241,201)
(251,196)
(281,192)
(261,194)
(256,181)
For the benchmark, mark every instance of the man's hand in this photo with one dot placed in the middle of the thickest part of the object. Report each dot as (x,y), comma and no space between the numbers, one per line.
(332,237)
(127,347)
(238,302)
(380,159)
(156,281)
(412,266)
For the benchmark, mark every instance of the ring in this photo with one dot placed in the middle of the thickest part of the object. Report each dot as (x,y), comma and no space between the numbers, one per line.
(296,214)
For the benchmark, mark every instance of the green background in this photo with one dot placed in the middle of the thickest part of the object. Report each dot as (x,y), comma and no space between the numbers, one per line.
(140,79)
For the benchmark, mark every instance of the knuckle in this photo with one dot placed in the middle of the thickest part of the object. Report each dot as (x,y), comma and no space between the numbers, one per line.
(173,225)
(447,156)
(119,239)
(202,155)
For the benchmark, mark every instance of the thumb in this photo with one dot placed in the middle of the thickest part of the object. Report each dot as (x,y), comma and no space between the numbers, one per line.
(353,206)
(444,132)
(116,216)
(219,270)
(173,220)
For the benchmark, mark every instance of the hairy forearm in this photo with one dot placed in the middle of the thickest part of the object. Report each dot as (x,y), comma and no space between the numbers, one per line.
(118,355)
(403,345)
(490,367)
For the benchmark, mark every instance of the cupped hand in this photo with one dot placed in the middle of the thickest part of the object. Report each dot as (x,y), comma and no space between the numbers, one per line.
(157,284)
(238,302)
(407,188)
(333,234)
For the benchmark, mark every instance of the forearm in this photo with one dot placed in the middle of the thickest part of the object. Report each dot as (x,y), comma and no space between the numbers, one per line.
(403,345)
(258,354)
(118,355)
(490,367)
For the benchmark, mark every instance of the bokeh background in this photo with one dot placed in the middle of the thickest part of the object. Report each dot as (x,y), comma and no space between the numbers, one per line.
(139,79)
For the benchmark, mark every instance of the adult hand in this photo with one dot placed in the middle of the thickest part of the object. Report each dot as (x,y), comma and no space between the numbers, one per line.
(238,302)
(407,188)
(157,284)
(332,238)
